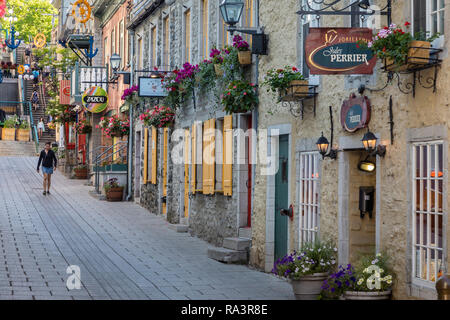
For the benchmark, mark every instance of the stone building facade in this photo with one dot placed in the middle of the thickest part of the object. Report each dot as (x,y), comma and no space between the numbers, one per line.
(168,34)
(421,130)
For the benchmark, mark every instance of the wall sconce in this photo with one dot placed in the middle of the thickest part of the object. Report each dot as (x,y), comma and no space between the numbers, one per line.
(231,11)
(366,166)
(370,144)
(323,144)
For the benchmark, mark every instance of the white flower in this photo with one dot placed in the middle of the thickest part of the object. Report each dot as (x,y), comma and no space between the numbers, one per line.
(319,250)
(306,269)
(296,269)
(360,281)
(378,254)
(328,262)
(381,270)
(333,261)
(389,281)
(335,249)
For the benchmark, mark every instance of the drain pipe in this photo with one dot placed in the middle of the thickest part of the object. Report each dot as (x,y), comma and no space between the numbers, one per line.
(131,134)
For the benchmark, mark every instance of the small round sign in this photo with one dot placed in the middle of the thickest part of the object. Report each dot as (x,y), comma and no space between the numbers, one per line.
(21,69)
(95,99)
(355,113)
(40,40)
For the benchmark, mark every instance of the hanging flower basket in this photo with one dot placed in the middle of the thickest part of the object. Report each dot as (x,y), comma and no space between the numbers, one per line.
(244,53)
(218,69)
(159,117)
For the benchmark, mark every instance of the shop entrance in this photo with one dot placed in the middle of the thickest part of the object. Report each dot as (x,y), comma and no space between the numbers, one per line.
(362,236)
(282,198)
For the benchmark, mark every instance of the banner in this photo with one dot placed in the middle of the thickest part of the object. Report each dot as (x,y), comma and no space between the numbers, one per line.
(336,51)
(64,92)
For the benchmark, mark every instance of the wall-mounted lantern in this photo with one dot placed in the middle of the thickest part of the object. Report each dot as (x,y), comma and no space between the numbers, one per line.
(231,11)
(114,62)
(323,145)
(370,144)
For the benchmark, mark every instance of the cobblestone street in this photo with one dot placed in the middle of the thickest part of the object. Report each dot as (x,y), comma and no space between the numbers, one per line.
(123,251)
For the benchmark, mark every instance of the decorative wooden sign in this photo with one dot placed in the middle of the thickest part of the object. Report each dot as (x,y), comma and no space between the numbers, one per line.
(336,51)
(21,69)
(64,92)
(355,113)
(81,11)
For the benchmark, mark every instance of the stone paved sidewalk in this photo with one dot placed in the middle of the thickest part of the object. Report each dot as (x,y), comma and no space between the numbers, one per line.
(123,251)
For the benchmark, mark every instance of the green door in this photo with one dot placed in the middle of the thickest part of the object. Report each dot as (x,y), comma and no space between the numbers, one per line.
(281,198)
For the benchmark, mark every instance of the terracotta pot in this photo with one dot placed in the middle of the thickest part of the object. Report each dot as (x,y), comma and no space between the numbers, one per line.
(218,69)
(114,194)
(9,134)
(308,287)
(416,55)
(81,173)
(23,134)
(362,295)
(245,57)
(391,66)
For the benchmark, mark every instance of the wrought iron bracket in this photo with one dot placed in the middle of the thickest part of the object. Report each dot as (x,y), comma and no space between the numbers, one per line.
(323,7)
(295,101)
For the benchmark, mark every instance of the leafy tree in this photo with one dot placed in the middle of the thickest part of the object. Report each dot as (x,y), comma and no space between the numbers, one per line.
(33,16)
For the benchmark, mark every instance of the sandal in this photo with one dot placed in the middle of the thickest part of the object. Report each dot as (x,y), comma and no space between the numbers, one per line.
(44,193)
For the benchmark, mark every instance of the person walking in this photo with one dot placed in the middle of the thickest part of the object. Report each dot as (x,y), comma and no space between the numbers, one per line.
(49,162)
(35,99)
(41,127)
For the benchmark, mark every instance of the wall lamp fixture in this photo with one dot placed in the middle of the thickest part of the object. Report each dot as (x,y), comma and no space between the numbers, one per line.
(370,144)
(323,145)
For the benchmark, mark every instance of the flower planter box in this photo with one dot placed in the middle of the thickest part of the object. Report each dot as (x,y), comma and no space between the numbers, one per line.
(9,134)
(81,173)
(297,89)
(419,52)
(362,295)
(114,194)
(23,134)
(245,57)
(218,69)
(390,65)
(308,287)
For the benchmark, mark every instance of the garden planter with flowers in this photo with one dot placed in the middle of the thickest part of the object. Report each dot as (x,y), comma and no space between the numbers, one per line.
(81,172)
(287,83)
(307,269)
(113,191)
(239,97)
(244,53)
(217,60)
(83,127)
(159,117)
(114,126)
(131,96)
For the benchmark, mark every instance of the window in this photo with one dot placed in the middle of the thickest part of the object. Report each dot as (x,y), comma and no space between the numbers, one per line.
(113,41)
(122,42)
(247,18)
(428,16)
(427,210)
(153,62)
(166,43)
(310,21)
(309,196)
(187,36)
(139,56)
(204,30)
(105,52)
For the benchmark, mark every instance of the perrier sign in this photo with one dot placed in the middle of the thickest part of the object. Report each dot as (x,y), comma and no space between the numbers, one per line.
(336,51)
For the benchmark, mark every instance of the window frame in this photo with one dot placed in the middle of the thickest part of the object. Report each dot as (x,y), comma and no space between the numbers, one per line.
(313,23)
(187,35)
(166,42)
(438,43)
(203,51)
(312,230)
(428,212)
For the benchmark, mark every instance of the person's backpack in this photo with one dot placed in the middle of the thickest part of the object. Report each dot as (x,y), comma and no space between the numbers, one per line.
(35,98)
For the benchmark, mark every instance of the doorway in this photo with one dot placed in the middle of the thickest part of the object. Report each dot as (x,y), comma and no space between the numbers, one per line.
(282,198)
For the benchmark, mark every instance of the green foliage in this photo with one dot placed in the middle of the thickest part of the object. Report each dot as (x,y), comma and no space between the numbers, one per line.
(279,79)
(11,122)
(240,96)
(205,77)
(31,18)
(24,125)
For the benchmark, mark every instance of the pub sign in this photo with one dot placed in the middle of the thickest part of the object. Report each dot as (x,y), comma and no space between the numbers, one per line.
(355,113)
(336,51)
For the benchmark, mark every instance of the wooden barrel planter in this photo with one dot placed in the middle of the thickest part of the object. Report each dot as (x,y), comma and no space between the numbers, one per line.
(362,295)
(114,194)
(23,134)
(9,134)
(81,173)
(245,57)
(308,287)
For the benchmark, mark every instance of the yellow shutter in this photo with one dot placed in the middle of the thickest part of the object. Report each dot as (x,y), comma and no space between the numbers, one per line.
(145,178)
(228,155)
(154,163)
(205,166)
(186,172)
(115,148)
(194,157)
(165,143)
(212,156)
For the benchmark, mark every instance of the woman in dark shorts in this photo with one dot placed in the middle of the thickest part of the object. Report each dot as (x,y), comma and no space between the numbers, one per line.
(48,159)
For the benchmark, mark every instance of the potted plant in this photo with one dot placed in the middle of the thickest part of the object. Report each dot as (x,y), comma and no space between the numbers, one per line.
(130,95)
(159,117)
(81,171)
(287,82)
(217,60)
(244,53)
(113,190)
(419,48)
(115,127)
(9,129)
(239,97)
(83,127)
(308,268)
(23,133)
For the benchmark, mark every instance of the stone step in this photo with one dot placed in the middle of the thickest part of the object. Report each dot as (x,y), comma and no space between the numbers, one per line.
(239,244)
(245,233)
(227,255)
(180,228)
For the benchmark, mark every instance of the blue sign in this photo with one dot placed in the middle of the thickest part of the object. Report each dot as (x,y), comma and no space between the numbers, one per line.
(151,87)
(353,117)
(355,113)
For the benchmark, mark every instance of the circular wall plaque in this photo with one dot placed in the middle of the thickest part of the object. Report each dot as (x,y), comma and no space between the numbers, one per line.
(95,99)
(355,113)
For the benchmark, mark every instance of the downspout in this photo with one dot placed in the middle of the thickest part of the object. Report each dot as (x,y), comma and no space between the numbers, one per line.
(131,134)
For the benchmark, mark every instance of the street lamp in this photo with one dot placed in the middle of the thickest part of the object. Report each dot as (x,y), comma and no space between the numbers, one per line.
(370,144)
(231,11)
(364,4)
(115,62)
(322,146)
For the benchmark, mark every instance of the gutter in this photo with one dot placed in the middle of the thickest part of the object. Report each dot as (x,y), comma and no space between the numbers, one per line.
(131,134)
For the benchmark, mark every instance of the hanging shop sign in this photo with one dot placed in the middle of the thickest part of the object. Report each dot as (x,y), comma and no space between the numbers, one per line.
(40,40)
(336,51)
(151,87)
(355,113)
(64,92)
(81,11)
(95,99)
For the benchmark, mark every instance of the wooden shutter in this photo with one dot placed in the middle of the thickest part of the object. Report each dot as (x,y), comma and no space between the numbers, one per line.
(205,167)
(145,178)
(227,155)
(165,143)
(208,156)
(154,162)
(186,172)
(194,157)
